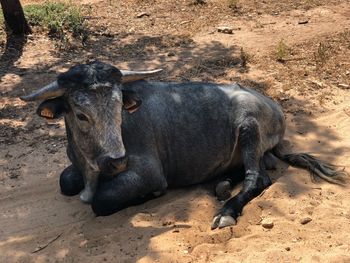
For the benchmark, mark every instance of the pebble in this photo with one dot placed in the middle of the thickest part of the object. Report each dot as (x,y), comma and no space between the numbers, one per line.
(305,220)
(267,223)
(344,86)
(140,15)
(287,248)
(303,21)
(225,30)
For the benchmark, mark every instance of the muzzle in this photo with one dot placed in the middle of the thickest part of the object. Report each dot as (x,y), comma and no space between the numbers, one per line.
(112,166)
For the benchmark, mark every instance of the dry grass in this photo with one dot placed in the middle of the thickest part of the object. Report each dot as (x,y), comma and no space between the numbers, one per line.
(282,51)
(314,69)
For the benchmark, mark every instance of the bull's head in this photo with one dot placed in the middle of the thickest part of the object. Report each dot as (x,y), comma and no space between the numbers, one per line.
(92,97)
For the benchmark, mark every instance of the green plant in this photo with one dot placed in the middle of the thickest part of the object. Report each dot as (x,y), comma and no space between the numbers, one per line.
(2,25)
(58,18)
(322,54)
(282,51)
(245,58)
(233,4)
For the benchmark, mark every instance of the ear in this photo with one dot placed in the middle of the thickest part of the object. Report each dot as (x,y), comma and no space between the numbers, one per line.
(131,102)
(51,109)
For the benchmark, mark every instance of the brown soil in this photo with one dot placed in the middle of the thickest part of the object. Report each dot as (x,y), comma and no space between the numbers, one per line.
(38,224)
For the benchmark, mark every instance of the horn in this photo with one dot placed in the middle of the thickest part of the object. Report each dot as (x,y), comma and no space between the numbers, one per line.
(53,90)
(129,76)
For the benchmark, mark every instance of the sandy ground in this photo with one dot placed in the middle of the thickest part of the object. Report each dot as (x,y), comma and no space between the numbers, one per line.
(38,224)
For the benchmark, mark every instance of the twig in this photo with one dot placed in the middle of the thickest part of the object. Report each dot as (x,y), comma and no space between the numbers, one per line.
(39,248)
(347,112)
(263,192)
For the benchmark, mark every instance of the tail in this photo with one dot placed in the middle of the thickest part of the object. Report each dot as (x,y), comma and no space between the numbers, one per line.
(316,167)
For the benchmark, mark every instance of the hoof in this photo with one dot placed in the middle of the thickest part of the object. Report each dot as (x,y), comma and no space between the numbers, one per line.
(221,221)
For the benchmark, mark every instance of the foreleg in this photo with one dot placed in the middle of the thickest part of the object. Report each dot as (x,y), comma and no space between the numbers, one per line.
(142,181)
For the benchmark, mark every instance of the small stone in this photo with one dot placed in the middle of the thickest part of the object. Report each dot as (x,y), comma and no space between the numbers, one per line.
(305,220)
(267,223)
(171,54)
(225,30)
(140,15)
(199,2)
(287,248)
(167,223)
(303,21)
(185,22)
(344,86)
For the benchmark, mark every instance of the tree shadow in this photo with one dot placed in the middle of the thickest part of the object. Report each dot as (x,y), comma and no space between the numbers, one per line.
(12,52)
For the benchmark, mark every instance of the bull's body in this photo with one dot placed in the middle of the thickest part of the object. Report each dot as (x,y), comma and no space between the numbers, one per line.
(181,134)
(190,130)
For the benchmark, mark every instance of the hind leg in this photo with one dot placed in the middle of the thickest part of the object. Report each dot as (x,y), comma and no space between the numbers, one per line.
(270,161)
(256,178)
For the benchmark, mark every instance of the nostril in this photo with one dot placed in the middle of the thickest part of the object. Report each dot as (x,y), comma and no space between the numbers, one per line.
(101,163)
(111,165)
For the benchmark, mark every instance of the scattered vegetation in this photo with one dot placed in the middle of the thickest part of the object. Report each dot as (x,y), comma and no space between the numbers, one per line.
(282,51)
(2,25)
(62,21)
(322,54)
(233,4)
(245,58)
(58,18)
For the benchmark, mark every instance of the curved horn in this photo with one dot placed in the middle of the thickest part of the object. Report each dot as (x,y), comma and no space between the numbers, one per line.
(53,90)
(129,76)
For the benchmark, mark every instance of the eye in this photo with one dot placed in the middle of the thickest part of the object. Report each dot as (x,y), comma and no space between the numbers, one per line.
(82,117)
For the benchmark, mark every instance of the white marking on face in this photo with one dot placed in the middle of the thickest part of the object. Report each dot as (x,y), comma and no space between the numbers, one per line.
(116,93)
(98,85)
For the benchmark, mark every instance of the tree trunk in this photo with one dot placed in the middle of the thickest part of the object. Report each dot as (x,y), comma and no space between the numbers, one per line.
(15,21)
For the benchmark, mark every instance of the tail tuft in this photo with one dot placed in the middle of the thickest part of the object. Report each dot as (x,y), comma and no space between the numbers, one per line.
(316,167)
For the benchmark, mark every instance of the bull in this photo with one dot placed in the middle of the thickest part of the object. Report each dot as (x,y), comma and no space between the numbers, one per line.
(130,139)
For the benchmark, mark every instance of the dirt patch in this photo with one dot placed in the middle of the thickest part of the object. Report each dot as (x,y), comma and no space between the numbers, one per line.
(38,224)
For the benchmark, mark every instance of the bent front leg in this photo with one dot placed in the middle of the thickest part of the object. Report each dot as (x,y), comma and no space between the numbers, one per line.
(71,181)
(143,181)
(256,178)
